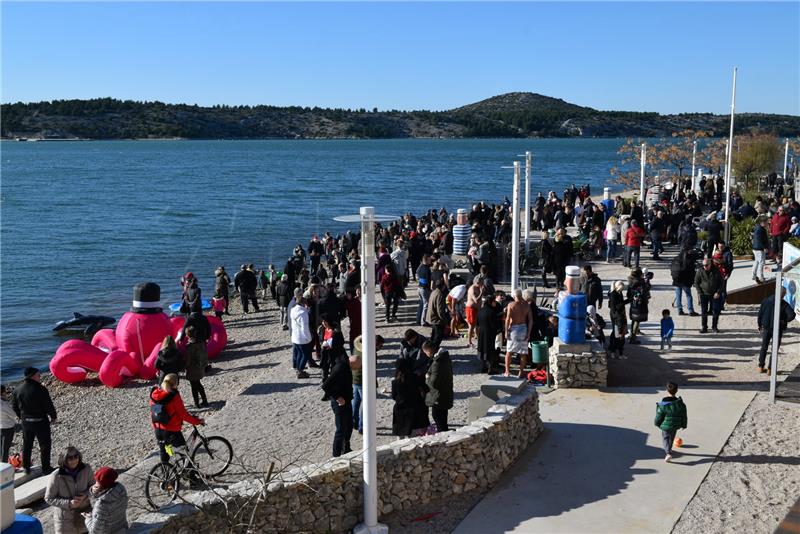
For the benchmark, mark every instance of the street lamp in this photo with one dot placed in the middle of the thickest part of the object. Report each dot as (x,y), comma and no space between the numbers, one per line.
(527,222)
(641,174)
(515,228)
(367,218)
(729,166)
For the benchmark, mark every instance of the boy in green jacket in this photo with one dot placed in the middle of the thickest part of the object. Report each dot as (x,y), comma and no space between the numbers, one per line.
(670,416)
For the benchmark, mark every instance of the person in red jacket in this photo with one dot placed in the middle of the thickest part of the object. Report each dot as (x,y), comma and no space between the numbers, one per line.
(169,399)
(779,231)
(390,289)
(633,243)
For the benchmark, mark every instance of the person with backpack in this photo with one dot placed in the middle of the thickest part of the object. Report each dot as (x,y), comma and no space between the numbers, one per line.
(167,415)
(682,269)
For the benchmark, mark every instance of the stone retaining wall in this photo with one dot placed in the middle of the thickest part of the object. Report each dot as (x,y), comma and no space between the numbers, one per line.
(578,365)
(328,497)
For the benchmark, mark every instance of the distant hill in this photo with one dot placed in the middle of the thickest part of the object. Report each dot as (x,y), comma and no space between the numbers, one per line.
(507,115)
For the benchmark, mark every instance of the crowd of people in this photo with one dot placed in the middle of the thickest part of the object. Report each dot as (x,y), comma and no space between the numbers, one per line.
(318,292)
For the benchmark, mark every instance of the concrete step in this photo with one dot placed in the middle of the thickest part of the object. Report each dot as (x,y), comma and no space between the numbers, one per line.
(30,492)
(20,477)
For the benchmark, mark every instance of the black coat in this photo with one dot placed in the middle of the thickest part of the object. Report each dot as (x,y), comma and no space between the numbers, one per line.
(32,400)
(340,381)
(283,294)
(767,312)
(169,361)
(409,411)
(489,326)
(246,281)
(202,328)
(616,307)
(440,381)
(592,287)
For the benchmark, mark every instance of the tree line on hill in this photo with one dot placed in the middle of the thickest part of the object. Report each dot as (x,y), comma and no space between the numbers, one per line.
(509,115)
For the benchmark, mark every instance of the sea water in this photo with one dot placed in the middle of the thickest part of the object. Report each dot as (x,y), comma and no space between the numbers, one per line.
(83,222)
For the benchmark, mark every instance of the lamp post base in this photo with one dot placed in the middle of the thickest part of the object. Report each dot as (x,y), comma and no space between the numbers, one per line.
(379,528)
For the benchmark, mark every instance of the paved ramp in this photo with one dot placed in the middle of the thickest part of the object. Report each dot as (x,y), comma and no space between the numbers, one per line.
(599,466)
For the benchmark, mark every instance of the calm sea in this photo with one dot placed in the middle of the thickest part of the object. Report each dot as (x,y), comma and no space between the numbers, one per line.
(82,222)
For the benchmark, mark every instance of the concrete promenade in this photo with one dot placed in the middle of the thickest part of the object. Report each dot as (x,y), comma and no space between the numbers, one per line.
(599,467)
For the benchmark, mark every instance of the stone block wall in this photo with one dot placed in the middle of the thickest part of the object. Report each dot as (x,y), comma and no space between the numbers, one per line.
(587,369)
(328,497)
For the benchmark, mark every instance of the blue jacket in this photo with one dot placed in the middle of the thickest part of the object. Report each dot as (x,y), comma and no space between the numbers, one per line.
(760,238)
(667,327)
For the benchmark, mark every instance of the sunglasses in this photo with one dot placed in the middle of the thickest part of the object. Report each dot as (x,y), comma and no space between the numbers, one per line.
(73,457)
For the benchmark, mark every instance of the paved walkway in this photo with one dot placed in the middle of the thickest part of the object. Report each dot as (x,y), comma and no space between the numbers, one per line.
(599,466)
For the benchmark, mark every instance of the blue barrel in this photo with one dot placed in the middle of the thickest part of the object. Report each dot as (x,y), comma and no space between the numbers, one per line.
(572,330)
(572,319)
(461,235)
(573,307)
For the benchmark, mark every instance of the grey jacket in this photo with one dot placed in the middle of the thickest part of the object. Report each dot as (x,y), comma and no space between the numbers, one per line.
(61,489)
(109,510)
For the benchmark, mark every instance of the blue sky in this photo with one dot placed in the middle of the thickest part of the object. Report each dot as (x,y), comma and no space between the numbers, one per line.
(643,56)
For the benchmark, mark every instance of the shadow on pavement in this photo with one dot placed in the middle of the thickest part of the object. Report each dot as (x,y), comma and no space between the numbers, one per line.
(561,472)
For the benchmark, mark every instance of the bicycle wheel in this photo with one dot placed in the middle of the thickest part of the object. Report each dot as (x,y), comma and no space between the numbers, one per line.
(162,485)
(212,456)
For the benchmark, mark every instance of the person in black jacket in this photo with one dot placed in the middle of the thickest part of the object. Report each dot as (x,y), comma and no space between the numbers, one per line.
(283,294)
(34,407)
(169,359)
(760,246)
(409,413)
(247,283)
(562,255)
(592,287)
(488,326)
(192,301)
(619,321)
(766,315)
(682,269)
(338,388)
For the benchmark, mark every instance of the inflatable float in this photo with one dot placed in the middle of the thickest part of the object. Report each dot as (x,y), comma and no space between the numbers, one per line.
(132,349)
(175,308)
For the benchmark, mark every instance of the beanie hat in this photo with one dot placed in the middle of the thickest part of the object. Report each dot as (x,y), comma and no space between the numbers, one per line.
(30,371)
(105,477)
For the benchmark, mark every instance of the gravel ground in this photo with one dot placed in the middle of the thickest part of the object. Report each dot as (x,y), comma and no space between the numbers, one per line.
(756,478)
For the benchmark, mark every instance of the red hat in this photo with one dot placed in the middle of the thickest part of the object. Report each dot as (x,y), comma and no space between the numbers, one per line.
(105,477)
(188,275)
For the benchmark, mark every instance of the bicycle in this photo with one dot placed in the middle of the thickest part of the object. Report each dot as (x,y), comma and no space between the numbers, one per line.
(210,457)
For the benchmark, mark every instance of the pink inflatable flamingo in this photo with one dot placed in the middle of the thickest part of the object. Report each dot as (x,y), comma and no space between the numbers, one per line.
(132,349)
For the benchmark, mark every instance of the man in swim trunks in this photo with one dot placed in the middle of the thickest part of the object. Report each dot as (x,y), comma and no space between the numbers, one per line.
(518,323)
(474,296)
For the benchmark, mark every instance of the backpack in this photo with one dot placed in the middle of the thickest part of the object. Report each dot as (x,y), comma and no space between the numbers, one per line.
(158,410)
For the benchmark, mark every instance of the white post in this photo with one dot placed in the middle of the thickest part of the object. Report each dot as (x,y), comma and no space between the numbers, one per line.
(527,225)
(370,454)
(776,320)
(729,166)
(786,161)
(694,156)
(515,231)
(696,180)
(641,178)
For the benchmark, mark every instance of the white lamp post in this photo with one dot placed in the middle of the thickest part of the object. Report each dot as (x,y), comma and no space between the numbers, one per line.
(527,225)
(786,161)
(694,155)
(367,218)
(641,174)
(515,231)
(729,165)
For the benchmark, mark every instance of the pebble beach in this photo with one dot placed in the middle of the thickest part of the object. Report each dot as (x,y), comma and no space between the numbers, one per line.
(270,415)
